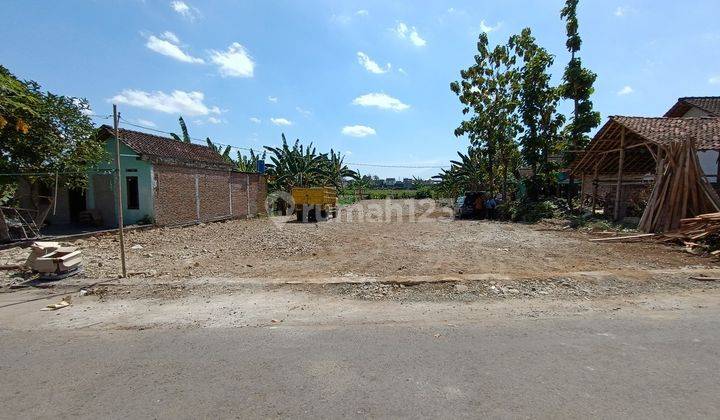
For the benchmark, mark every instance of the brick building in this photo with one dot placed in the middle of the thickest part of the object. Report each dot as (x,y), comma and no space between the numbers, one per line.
(165,182)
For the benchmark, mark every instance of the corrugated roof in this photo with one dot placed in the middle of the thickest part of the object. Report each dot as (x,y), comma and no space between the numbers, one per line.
(709,104)
(165,148)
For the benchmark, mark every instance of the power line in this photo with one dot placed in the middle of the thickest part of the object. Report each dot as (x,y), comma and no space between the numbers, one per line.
(203,142)
(395,166)
(102,171)
(197,141)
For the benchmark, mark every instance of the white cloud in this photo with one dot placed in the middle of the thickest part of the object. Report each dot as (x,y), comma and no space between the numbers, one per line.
(146,123)
(380,100)
(401,70)
(362,12)
(715,80)
(626,90)
(348,152)
(416,40)
(403,32)
(280,121)
(358,131)
(170,37)
(305,112)
(178,102)
(168,45)
(185,10)
(621,11)
(370,65)
(484,27)
(235,62)
(256,120)
(214,120)
(273,99)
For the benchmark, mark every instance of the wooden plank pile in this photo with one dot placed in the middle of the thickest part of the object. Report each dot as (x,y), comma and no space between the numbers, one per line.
(681,190)
(694,231)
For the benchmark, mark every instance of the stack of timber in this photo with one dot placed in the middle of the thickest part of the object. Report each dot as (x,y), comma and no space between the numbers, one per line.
(695,232)
(681,190)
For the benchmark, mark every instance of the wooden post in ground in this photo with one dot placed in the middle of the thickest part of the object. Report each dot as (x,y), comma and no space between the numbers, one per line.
(595,184)
(618,188)
(582,191)
(118,190)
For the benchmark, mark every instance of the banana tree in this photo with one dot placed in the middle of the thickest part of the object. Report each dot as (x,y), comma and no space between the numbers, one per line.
(224,153)
(336,171)
(185,136)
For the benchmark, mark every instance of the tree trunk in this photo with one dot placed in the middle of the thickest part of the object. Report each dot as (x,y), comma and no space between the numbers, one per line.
(4,231)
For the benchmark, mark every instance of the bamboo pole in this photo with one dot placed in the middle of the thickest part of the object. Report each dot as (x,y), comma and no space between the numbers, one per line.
(116,121)
(618,188)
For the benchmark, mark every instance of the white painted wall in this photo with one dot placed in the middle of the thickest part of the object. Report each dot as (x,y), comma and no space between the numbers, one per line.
(708,158)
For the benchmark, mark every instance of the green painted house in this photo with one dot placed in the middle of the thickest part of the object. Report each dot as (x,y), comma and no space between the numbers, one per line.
(165,182)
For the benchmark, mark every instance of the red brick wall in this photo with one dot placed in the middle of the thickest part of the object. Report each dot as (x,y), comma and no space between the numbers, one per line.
(239,194)
(175,201)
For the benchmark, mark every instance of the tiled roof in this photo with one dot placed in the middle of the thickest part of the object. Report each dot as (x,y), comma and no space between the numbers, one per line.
(705,131)
(709,104)
(165,148)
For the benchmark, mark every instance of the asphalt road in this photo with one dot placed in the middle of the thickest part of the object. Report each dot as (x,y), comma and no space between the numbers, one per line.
(654,367)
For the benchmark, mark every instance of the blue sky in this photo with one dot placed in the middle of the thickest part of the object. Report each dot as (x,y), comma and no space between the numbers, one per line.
(368,78)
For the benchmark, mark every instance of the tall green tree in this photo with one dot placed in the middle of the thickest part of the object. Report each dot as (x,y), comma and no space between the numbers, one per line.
(538,101)
(577,83)
(44,133)
(488,90)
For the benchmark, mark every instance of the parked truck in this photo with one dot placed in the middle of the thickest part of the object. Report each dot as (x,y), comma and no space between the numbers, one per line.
(314,204)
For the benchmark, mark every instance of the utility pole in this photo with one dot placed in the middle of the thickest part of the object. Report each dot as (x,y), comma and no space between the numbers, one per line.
(118,190)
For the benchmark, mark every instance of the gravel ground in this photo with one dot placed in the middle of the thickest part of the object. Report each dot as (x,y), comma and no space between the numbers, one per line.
(391,238)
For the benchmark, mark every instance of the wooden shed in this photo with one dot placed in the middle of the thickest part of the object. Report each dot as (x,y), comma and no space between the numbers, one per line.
(626,150)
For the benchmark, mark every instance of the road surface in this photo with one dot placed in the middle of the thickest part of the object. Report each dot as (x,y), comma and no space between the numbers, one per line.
(661,365)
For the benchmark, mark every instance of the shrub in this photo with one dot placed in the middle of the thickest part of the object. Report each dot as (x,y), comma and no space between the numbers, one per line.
(526,211)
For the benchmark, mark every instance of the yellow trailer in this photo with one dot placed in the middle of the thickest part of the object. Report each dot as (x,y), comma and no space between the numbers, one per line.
(316,203)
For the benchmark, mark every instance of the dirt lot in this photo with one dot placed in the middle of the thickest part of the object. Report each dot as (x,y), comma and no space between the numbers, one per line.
(382,242)
(396,264)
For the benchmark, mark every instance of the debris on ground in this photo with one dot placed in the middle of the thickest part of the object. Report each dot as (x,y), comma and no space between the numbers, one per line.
(65,302)
(696,233)
(622,238)
(705,278)
(58,264)
(372,238)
